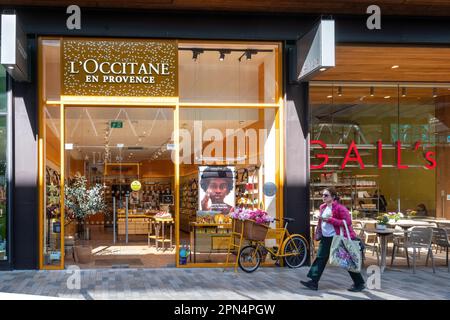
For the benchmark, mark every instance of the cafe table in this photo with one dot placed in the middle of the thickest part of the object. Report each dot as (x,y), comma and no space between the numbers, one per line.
(382,234)
(406,224)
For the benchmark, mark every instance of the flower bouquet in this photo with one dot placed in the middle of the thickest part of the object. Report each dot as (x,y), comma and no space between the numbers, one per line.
(254,224)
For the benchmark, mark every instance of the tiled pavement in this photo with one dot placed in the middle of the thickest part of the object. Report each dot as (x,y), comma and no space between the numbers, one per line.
(210,284)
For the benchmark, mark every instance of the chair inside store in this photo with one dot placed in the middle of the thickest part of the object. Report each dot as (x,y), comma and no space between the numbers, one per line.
(120,156)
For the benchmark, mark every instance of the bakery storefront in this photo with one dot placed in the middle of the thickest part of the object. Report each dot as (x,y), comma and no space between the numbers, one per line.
(379,131)
(165,137)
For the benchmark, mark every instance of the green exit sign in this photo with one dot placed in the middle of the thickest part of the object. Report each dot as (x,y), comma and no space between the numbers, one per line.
(116,124)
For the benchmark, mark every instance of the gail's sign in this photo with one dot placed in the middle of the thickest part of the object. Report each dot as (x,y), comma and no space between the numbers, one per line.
(138,68)
(352,155)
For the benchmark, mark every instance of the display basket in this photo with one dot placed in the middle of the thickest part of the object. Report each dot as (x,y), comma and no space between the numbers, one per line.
(251,230)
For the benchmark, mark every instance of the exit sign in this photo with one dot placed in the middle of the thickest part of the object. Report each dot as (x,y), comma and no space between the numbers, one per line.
(116,124)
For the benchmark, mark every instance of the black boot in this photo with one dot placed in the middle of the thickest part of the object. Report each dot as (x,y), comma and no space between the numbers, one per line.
(357,288)
(311,284)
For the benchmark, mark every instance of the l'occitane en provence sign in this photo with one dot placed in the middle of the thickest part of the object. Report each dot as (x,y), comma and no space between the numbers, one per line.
(122,67)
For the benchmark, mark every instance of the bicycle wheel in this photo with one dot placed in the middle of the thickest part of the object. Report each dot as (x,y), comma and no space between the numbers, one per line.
(296,246)
(249,259)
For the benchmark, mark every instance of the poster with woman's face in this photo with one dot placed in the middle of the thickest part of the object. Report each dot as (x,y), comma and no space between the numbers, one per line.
(217,190)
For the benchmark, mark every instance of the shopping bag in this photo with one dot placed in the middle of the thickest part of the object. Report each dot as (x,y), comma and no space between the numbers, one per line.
(345,252)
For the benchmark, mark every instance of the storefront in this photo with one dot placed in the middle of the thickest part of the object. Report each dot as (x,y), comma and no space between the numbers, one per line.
(219,98)
(169,115)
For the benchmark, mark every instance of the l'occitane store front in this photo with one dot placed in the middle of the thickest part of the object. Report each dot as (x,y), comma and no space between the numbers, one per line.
(145,145)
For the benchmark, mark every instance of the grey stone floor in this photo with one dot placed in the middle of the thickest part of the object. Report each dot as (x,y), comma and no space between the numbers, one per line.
(211,284)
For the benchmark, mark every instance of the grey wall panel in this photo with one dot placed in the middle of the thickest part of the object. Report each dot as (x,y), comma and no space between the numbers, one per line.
(25,227)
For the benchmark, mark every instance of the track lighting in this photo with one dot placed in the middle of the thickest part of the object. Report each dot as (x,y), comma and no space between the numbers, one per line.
(195,54)
(372,91)
(222,56)
(339,91)
(434,92)
(403,92)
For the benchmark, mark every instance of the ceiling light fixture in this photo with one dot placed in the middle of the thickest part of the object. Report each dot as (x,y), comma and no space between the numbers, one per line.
(195,54)
(339,91)
(222,56)
(372,91)
(387,97)
(322,69)
(434,92)
(403,92)
(395,66)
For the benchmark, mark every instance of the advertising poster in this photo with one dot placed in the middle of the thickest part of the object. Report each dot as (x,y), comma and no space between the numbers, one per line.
(217,188)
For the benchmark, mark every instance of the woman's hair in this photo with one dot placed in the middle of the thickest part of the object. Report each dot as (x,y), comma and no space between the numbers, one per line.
(333,193)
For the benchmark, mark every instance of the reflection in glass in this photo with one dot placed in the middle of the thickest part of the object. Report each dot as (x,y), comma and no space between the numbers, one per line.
(52,199)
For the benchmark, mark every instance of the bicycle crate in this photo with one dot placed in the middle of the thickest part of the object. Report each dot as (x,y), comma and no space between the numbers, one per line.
(252,230)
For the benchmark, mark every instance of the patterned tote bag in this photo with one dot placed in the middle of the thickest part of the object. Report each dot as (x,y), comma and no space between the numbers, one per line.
(345,252)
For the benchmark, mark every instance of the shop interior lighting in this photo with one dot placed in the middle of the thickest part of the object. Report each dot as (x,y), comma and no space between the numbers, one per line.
(403,92)
(222,56)
(372,91)
(248,53)
(195,54)
(339,91)
(395,66)
(434,92)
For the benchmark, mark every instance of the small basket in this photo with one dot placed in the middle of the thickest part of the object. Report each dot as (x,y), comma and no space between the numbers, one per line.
(252,230)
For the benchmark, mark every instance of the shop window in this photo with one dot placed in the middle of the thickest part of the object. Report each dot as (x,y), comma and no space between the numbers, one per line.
(393,132)
(226,157)
(4,237)
(52,191)
(235,73)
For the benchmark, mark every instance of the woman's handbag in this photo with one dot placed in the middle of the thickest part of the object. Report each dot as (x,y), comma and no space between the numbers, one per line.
(345,252)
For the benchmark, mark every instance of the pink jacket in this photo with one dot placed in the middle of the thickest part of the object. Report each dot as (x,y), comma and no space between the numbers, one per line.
(339,213)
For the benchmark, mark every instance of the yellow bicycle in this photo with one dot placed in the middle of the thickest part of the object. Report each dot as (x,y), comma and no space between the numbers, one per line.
(293,249)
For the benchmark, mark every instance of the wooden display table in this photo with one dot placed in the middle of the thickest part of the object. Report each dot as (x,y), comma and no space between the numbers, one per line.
(160,225)
(210,240)
(137,223)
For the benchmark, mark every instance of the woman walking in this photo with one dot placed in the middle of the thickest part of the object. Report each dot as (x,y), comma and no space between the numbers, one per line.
(332,216)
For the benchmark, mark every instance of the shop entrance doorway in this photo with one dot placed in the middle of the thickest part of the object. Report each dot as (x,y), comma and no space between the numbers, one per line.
(121,157)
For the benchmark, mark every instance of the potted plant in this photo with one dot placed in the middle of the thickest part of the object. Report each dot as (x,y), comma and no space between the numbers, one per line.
(394,216)
(382,221)
(82,201)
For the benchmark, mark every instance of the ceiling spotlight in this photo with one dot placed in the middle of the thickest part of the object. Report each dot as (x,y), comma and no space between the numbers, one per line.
(10,67)
(434,92)
(372,91)
(387,97)
(330,96)
(339,91)
(322,69)
(403,92)
(248,55)
(395,66)
(195,54)
(222,56)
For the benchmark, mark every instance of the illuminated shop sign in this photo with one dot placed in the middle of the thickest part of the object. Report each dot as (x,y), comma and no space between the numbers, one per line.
(352,156)
(142,68)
